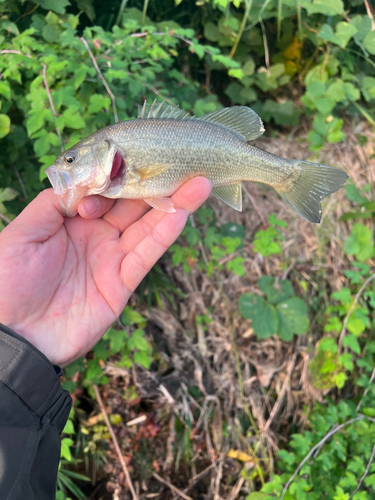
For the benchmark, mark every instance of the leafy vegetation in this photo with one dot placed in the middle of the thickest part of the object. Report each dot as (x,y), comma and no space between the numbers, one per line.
(239,306)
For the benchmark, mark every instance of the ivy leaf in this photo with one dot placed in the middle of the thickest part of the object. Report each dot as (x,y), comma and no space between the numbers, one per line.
(263,315)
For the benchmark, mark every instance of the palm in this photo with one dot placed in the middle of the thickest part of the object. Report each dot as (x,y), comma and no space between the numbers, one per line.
(63,290)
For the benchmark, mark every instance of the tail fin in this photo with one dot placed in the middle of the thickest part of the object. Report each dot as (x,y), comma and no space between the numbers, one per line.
(314,182)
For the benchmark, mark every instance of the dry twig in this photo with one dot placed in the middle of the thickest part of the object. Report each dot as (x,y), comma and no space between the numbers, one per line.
(251,198)
(109,91)
(171,486)
(5,219)
(115,442)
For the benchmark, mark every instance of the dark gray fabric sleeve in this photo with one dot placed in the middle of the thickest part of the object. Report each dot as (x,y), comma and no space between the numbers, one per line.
(33,411)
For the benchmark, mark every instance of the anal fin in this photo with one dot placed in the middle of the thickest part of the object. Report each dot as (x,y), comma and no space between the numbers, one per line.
(162,204)
(231,195)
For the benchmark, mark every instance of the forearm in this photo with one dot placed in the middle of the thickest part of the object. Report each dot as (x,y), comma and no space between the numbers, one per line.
(33,412)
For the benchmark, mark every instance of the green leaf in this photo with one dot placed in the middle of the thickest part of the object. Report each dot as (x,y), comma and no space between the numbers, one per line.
(325,105)
(368,87)
(263,315)
(34,123)
(143,359)
(4,125)
(66,443)
(73,119)
(211,32)
(355,326)
(7,194)
(99,102)
(130,316)
(55,5)
(5,89)
(326,7)
(344,32)
(351,342)
(369,42)
(294,312)
(137,341)
(69,428)
(282,291)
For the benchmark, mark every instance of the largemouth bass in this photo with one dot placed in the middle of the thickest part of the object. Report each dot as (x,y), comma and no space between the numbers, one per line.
(150,157)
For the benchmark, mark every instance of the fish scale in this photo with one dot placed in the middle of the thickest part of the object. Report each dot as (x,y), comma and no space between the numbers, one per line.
(165,147)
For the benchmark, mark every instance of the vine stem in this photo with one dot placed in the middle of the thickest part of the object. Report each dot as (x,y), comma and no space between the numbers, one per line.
(109,91)
(352,307)
(51,104)
(115,442)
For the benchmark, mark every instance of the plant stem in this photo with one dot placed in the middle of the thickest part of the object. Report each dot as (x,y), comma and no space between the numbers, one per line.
(249,4)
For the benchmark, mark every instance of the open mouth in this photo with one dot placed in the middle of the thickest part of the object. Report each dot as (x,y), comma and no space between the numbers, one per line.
(118,169)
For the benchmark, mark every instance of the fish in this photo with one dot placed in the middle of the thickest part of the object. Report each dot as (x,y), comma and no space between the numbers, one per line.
(151,156)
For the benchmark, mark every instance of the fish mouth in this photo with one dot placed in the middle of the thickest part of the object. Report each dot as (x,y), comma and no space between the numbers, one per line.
(118,170)
(60,180)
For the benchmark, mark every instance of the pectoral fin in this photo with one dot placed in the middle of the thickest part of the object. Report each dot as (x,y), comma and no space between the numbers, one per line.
(150,171)
(231,195)
(162,204)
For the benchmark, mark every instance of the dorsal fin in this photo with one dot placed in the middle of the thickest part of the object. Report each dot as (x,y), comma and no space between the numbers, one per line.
(240,119)
(162,110)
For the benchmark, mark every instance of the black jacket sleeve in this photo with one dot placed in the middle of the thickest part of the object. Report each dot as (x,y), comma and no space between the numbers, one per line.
(33,411)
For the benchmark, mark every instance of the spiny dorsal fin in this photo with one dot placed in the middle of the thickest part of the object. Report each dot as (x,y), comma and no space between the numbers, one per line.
(240,119)
(231,195)
(162,110)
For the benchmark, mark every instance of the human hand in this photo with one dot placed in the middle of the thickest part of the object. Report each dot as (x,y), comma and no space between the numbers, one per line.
(64,281)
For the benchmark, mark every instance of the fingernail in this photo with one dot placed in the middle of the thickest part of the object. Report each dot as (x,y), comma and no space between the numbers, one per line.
(89,207)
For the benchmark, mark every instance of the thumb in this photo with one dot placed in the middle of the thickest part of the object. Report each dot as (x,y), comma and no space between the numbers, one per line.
(40,220)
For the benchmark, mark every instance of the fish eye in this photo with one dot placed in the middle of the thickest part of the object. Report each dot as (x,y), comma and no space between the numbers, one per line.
(69,158)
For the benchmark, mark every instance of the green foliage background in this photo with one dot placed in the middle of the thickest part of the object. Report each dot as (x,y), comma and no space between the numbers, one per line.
(290,60)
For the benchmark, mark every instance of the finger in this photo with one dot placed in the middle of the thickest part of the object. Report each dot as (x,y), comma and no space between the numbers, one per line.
(144,256)
(93,207)
(40,220)
(125,213)
(190,197)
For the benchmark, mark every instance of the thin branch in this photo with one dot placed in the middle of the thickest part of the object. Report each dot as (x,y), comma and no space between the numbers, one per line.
(102,78)
(365,473)
(352,307)
(311,452)
(369,13)
(15,52)
(366,390)
(196,478)
(171,486)
(115,442)
(5,219)
(51,104)
(23,189)
(264,222)
(265,43)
